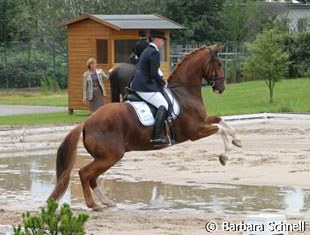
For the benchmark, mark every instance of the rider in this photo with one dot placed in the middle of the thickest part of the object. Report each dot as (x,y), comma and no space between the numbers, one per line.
(149,83)
(141,44)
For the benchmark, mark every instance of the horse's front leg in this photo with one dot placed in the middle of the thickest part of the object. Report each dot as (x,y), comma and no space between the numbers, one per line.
(230,130)
(207,129)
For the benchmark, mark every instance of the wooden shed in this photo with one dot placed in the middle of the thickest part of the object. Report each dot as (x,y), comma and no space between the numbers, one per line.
(109,39)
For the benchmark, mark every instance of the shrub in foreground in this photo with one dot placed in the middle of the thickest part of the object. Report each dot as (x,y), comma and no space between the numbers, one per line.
(52,221)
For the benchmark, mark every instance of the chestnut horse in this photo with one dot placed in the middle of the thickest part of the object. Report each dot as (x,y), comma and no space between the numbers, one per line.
(115,129)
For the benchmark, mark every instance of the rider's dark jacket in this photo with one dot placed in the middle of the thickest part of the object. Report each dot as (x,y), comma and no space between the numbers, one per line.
(146,78)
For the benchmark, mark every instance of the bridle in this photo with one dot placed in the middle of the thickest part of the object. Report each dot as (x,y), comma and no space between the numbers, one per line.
(209,82)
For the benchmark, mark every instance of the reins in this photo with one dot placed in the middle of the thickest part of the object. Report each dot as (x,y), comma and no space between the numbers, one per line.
(208,83)
(180,84)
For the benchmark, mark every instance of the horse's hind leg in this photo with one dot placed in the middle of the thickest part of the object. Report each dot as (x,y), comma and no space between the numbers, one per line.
(103,160)
(98,190)
(86,174)
(100,194)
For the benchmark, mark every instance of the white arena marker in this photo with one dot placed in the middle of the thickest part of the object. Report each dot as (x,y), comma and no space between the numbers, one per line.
(266,224)
(6,230)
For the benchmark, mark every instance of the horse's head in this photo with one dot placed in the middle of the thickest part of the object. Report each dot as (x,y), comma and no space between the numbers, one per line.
(213,72)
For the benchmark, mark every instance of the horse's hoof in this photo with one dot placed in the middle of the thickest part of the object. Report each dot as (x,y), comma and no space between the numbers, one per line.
(237,143)
(110,204)
(223,159)
(98,208)
(94,207)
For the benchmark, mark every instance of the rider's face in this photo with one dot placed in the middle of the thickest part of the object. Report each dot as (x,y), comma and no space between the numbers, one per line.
(159,42)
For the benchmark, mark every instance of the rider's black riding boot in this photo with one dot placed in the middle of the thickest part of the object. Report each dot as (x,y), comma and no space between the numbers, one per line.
(159,126)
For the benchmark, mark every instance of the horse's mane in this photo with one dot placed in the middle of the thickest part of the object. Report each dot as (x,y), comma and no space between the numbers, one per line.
(186,57)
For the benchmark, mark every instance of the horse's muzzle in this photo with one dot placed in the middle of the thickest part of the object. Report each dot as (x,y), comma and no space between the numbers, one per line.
(217,90)
(219,85)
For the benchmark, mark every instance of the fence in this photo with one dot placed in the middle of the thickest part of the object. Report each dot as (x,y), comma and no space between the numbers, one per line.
(231,57)
(33,64)
(44,64)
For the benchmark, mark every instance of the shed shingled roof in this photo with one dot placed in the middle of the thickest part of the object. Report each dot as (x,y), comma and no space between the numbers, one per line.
(119,22)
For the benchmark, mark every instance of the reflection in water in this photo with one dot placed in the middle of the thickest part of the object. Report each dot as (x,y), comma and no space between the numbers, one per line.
(27,182)
(294,200)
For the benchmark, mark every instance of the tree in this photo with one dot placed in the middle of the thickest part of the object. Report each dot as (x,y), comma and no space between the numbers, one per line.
(200,17)
(242,20)
(266,60)
(9,10)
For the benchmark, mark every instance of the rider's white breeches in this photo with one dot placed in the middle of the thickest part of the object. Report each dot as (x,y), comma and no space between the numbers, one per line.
(155,98)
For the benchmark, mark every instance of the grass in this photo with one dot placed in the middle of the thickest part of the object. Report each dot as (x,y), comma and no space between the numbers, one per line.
(252,97)
(248,97)
(58,118)
(36,98)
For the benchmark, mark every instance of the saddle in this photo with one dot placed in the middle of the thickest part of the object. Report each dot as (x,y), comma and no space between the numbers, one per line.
(146,111)
(132,96)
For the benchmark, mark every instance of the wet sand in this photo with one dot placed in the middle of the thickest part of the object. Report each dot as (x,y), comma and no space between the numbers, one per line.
(155,223)
(273,154)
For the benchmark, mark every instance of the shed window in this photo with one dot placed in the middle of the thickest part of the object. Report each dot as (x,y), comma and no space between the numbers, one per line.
(123,49)
(102,51)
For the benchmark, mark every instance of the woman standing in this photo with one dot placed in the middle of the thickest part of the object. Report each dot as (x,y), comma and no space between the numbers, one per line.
(93,87)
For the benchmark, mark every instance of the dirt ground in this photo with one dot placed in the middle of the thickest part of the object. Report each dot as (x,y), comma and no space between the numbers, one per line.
(154,223)
(276,153)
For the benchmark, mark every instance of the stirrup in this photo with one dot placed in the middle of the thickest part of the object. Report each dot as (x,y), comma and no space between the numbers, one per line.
(160,141)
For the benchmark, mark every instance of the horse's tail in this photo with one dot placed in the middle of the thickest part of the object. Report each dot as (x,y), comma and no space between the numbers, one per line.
(66,157)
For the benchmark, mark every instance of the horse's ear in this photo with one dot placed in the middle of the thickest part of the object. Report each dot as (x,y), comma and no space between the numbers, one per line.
(217,48)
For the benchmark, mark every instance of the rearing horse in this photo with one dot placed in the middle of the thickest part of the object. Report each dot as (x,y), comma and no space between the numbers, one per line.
(115,129)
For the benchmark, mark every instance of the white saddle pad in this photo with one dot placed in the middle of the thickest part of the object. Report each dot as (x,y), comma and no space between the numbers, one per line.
(144,113)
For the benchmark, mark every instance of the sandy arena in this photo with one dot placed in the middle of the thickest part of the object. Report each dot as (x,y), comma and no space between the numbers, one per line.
(172,191)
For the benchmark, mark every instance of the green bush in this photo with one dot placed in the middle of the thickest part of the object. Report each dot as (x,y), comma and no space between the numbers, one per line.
(298,47)
(49,84)
(27,66)
(52,222)
(23,72)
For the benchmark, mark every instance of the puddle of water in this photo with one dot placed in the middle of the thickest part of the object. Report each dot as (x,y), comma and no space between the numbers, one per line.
(27,182)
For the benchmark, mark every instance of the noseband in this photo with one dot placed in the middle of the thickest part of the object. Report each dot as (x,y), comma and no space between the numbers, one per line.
(213,80)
